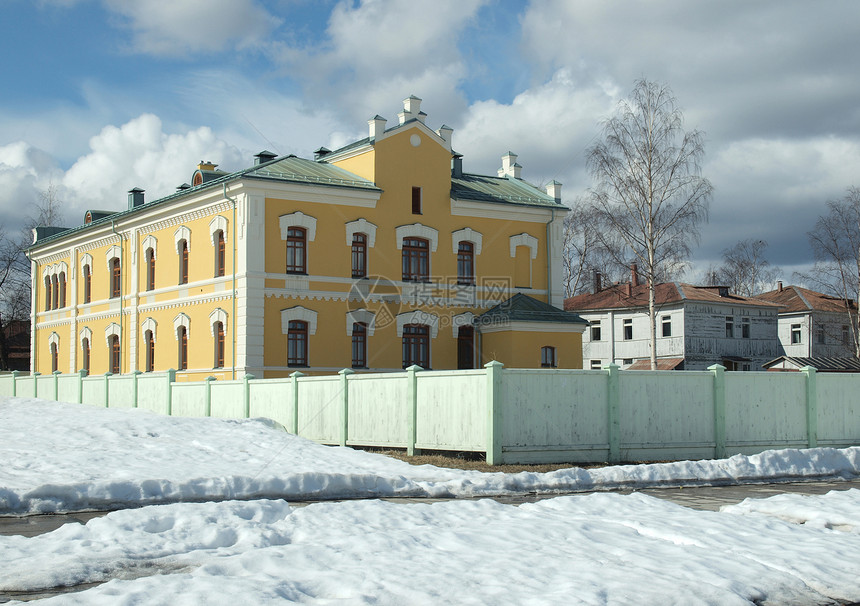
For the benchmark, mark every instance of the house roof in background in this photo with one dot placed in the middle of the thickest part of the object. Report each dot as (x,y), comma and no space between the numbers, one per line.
(796,299)
(522,308)
(617,297)
(662,364)
(820,363)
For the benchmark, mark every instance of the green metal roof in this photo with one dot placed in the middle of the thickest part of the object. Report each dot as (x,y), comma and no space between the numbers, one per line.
(503,190)
(523,308)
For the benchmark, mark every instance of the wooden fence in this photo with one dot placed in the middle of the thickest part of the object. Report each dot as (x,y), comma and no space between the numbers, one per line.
(512,415)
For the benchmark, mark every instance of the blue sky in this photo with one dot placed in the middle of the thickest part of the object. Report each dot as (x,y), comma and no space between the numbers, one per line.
(100,96)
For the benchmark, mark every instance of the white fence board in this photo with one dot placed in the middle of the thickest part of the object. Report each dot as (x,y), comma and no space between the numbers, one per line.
(765,409)
(378,410)
(320,409)
(273,399)
(228,399)
(152,392)
(838,397)
(189,399)
(451,410)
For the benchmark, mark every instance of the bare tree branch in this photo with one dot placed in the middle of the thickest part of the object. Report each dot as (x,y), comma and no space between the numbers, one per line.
(648,194)
(745,270)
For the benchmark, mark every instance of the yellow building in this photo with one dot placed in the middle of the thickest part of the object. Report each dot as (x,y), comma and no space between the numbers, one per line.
(376,256)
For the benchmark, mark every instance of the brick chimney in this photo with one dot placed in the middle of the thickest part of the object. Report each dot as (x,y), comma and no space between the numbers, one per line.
(634,274)
(597,280)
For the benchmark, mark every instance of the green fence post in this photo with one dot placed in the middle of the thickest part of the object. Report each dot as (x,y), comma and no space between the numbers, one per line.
(719,372)
(56,374)
(134,374)
(107,389)
(494,412)
(15,374)
(81,374)
(171,379)
(295,379)
(247,395)
(36,384)
(412,412)
(344,385)
(613,412)
(811,405)
(208,406)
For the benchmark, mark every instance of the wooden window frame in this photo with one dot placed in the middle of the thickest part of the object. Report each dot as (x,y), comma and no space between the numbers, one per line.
(182,353)
(47,293)
(796,331)
(416,201)
(416,346)
(359,255)
(730,327)
(62,284)
(465,347)
(115,278)
(297,344)
(220,254)
(115,355)
(219,344)
(415,263)
(466,263)
(85,355)
(627,325)
(359,345)
(548,358)
(745,328)
(88,284)
(150,269)
(54,358)
(297,246)
(596,330)
(149,339)
(666,324)
(55,291)
(183,261)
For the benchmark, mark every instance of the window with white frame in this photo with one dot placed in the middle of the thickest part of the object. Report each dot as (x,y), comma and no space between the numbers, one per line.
(795,334)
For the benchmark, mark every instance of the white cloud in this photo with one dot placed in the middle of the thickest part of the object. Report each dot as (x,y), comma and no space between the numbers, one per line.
(548,126)
(178,27)
(140,154)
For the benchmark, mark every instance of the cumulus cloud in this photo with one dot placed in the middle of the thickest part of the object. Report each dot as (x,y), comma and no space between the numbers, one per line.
(377,50)
(25,172)
(180,27)
(140,154)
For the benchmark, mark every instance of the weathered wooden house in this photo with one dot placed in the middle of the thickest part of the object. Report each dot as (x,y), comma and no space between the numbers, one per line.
(812,324)
(697,326)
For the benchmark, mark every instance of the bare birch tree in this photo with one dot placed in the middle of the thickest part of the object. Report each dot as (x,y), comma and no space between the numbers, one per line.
(648,190)
(584,253)
(745,270)
(835,243)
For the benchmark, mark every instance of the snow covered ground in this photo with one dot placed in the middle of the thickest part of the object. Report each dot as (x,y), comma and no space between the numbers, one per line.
(217,526)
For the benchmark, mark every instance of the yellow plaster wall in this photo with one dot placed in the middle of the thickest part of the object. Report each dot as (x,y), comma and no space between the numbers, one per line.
(522,349)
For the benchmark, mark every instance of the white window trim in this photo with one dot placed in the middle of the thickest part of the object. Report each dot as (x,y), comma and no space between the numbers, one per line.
(182,233)
(360,316)
(150,241)
(524,239)
(87,261)
(87,334)
(466,235)
(150,325)
(54,339)
(464,319)
(361,226)
(418,317)
(181,320)
(113,330)
(417,230)
(114,252)
(218,315)
(298,219)
(216,224)
(299,313)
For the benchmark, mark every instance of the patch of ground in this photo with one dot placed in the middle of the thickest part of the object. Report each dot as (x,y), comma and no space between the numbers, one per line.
(476,461)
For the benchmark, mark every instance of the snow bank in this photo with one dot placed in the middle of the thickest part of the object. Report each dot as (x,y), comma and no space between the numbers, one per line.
(64,457)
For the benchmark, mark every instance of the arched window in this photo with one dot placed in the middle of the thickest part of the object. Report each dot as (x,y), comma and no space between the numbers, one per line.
(62,282)
(55,292)
(416,345)
(416,260)
(182,357)
(116,274)
(218,330)
(113,340)
(297,343)
(547,357)
(183,261)
(359,255)
(149,344)
(88,284)
(359,345)
(85,355)
(150,269)
(465,347)
(54,363)
(47,293)
(297,250)
(466,263)
(220,253)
